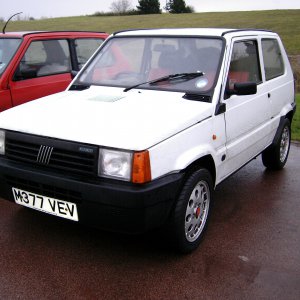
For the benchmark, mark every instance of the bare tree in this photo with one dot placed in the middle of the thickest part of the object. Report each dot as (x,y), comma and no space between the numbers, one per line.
(120,6)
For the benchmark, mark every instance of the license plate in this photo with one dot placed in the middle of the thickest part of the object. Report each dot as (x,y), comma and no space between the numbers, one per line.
(45,204)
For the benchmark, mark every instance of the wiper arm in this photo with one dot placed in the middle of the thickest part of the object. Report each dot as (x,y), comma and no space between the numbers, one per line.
(186,76)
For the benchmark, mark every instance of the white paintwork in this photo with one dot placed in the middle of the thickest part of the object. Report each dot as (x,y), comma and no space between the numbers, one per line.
(252,121)
(177,32)
(176,131)
(247,126)
(133,120)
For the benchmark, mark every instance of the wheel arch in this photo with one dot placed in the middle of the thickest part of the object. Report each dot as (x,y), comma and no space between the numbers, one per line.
(290,115)
(206,162)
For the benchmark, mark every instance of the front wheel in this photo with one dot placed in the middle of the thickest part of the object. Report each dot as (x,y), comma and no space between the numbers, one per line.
(191,212)
(275,156)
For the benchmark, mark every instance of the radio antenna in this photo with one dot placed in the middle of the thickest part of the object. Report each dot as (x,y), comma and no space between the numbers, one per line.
(3,30)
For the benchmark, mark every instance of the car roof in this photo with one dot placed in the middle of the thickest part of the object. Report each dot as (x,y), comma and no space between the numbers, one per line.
(21,34)
(191,31)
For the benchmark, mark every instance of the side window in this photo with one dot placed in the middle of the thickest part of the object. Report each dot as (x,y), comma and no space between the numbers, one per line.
(85,47)
(44,58)
(244,65)
(273,62)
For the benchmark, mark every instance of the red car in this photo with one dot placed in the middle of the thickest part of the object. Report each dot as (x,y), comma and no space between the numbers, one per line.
(37,64)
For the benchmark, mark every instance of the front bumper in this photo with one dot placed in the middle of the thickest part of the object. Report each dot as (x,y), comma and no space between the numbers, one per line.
(107,204)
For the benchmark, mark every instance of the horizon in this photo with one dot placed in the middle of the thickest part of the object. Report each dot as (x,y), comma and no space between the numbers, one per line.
(48,9)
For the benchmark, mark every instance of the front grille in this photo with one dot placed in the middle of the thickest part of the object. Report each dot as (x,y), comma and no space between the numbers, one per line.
(52,153)
(44,189)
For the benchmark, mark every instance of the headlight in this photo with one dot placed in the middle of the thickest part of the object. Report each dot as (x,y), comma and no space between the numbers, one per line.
(115,164)
(2,142)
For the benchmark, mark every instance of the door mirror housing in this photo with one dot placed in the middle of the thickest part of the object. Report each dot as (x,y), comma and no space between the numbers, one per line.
(28,73)
(246,88)
(73,74)
(242,89)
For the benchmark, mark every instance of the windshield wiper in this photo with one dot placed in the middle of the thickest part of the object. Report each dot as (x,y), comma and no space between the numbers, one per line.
(179,76)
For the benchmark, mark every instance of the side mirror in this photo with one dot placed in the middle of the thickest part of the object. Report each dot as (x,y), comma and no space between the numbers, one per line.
(25,74)
(243,89)
(73,74)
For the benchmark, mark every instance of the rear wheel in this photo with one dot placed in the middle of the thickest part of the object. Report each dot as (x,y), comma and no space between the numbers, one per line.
(191,212)
(275,156)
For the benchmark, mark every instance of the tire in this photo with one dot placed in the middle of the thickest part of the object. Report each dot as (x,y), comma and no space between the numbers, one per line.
(190,215)
(275,156)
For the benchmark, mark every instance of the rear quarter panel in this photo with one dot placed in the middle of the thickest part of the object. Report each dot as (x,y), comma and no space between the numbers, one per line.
(281,91)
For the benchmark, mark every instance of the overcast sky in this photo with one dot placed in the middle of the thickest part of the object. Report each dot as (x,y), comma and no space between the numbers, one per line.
(60,8)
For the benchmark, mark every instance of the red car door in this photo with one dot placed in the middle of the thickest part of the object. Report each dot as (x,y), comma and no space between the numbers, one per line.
(23,91)
(43,69)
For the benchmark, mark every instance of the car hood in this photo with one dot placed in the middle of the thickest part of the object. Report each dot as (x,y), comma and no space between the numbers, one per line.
(105,116)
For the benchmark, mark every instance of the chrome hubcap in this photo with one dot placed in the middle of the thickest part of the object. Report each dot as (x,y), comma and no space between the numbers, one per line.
(197,211)
(284,144)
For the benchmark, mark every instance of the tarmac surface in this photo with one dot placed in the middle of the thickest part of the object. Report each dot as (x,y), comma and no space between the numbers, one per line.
(251,249)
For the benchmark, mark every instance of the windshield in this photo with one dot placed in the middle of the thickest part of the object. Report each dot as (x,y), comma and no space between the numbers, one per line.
(135,61)
(8,47)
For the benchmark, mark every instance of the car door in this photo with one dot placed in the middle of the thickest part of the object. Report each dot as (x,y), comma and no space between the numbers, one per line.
(43,69)
(247,116)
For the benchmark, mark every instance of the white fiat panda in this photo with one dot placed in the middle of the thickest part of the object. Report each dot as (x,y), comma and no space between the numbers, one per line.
(149,127)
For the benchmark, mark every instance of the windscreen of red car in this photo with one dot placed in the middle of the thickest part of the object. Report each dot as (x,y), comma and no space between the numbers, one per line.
(8,47)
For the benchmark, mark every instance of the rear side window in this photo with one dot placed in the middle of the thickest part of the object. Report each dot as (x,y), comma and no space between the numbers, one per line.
(85,47)
(44,58)
(273,62)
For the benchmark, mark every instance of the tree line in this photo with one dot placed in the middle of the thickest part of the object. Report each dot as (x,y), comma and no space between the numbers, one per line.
(123,7)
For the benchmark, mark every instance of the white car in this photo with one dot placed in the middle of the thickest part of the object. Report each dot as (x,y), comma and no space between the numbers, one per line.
(149,127)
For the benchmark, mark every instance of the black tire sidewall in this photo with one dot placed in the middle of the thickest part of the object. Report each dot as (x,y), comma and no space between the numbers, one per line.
(271,156)
(288,126)
(178,216)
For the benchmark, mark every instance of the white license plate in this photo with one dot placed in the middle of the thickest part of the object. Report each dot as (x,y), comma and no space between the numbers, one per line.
(48,205)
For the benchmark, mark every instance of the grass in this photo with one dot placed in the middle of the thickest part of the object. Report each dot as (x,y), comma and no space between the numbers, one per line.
(285,22)
(296,121)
